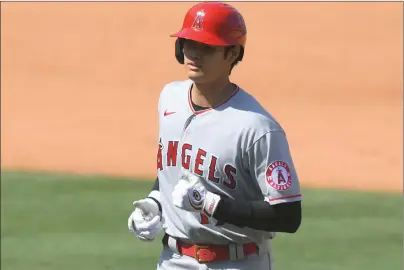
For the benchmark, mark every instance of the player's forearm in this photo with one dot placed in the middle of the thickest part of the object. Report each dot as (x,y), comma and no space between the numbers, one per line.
(155,193)
(260,215)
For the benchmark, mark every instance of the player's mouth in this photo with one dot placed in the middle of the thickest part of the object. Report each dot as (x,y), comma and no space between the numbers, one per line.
(193,66)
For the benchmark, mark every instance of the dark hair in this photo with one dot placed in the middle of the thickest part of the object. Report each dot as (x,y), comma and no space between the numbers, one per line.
(239,57)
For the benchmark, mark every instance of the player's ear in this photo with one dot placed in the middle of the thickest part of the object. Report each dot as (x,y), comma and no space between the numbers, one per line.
(232,53)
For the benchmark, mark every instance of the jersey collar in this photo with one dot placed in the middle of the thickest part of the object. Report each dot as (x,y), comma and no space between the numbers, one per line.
(208,109)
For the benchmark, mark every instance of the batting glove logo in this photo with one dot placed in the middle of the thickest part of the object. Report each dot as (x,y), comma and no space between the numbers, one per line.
(196,197)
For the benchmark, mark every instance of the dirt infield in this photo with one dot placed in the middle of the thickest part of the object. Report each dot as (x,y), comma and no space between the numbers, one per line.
(80,83)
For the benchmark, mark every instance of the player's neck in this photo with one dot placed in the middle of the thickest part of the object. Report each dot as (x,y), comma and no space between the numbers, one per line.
(212,94)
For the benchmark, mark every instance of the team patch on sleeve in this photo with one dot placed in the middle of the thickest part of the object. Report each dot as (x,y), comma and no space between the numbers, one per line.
(278,175)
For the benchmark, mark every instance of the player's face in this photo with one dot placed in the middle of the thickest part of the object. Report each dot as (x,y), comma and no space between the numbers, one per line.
(205,63)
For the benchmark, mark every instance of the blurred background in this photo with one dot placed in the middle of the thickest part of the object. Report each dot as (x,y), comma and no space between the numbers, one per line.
(80,83)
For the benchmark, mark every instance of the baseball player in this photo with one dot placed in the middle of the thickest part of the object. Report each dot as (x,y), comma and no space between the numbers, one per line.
(226,182)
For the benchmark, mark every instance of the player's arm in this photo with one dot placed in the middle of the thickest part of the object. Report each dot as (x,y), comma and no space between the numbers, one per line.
(260,215)
(155,193)
(281,210)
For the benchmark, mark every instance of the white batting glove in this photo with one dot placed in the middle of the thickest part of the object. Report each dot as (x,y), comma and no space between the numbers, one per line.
(189,194)
(145,221)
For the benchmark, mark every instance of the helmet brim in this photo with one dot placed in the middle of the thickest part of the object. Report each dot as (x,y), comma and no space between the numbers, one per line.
(200,36)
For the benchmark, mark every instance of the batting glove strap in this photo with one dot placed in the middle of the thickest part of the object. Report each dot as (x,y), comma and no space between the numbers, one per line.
(211,202)
(155,196)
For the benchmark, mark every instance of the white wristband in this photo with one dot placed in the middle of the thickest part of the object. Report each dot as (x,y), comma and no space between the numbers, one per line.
(155,194)
(211,203)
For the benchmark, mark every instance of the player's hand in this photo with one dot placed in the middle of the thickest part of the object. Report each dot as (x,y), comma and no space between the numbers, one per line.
(145,221)
(189,194)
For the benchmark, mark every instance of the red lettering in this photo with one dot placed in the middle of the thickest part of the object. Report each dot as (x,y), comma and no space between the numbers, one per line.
(172,153)
(230,172)
(198,161)
(281,179)
(212,170)
(186,159)
(159,158)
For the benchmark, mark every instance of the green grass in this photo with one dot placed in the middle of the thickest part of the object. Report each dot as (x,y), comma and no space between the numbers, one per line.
(51,221)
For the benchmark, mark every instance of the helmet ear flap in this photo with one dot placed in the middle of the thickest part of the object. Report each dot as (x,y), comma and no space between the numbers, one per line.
(178,50)
(241,55)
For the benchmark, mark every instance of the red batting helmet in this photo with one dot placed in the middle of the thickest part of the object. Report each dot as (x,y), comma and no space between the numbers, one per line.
(212,23)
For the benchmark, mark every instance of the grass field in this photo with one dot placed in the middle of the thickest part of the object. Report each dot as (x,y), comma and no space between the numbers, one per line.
(51,221)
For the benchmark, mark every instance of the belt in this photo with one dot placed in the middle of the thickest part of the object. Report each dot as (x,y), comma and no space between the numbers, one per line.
(205,253)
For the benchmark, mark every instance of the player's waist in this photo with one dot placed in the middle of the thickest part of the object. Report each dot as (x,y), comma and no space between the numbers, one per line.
(215,235)
(205,252)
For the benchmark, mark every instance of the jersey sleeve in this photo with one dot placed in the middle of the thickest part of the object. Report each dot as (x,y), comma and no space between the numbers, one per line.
(270,164)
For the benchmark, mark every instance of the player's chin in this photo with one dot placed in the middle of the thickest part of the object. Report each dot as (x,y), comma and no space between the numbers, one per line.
(196,75)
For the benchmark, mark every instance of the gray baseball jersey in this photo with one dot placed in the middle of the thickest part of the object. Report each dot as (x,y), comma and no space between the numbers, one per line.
(238,149)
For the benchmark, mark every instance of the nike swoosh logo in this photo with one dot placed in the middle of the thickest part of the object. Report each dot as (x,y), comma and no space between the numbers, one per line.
(168,113)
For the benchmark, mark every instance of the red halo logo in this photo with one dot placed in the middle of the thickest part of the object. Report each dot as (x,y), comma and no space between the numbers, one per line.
(278,175)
